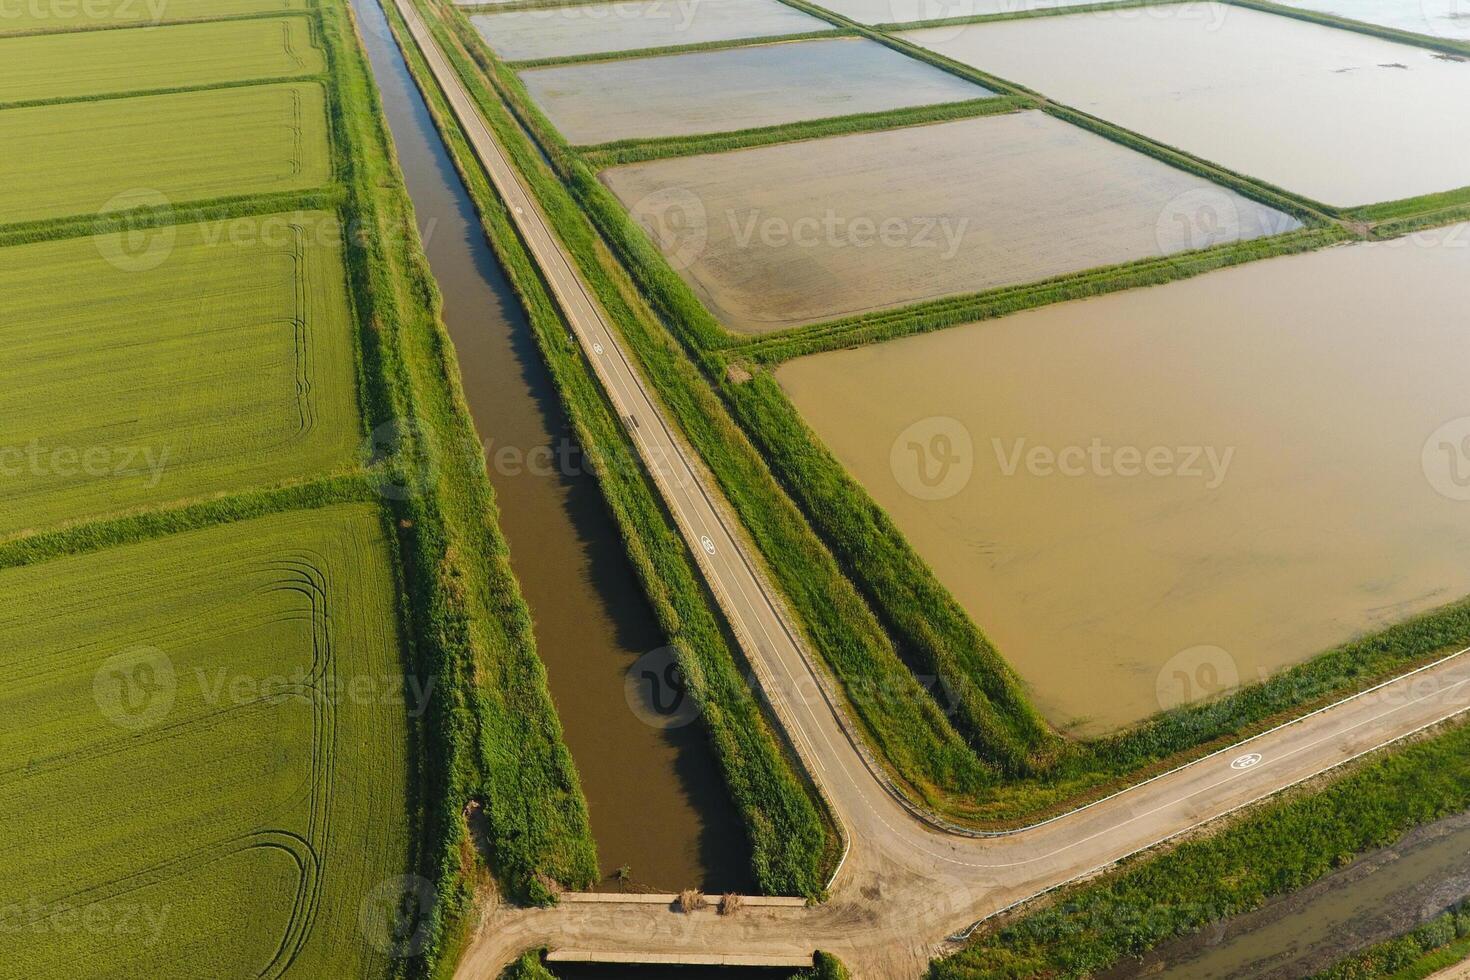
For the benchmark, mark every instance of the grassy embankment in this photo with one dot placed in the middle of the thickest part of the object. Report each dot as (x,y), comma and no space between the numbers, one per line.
(1269,851)
(490,732)
(791,848)
(923,750)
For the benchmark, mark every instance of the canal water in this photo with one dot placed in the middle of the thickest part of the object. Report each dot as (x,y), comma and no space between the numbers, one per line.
(658,803)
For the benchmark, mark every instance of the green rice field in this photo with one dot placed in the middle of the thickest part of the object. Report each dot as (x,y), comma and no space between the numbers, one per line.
(30,16)
(152,366)
(179,148)
(206,754)
(90,63)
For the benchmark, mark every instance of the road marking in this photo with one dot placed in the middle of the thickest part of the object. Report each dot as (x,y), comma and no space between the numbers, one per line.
(707,544)
(1246,761)
(597,348)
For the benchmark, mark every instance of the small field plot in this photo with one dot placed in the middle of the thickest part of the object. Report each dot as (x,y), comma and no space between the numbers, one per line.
(1445,19)
(1341,117)
(172,363)
(910,11)
(740,88)
(628,25)
(84,157)
(786,235)
(1147,497)
(206,754)
(28,16)
(88,63)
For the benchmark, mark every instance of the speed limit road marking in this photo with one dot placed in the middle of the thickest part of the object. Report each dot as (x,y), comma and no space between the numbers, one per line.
(1246,761)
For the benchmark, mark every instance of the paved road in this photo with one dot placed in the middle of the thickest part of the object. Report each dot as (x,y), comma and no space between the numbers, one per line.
(904,885)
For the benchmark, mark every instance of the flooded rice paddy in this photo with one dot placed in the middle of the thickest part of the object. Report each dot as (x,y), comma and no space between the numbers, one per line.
(792,234)
(628,25)
(1341,117)
(739,88)
(911,11)
(1445,19)
(1147,497)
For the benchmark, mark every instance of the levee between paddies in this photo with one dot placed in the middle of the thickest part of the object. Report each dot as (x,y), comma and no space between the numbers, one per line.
(31,16)
(1151,497)
(567,30)
(739,88)
(1440,19)
(786,235)
(84,158)
(1341,117)
(205,769)
(168,363)
(88,63)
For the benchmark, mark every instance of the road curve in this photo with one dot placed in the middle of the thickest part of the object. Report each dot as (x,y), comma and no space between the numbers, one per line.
(904,885)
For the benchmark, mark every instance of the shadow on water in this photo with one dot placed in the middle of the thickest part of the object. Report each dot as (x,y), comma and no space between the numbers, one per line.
(658,803)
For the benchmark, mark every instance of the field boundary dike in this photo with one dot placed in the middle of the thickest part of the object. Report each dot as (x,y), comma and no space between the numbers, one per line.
(1013,782)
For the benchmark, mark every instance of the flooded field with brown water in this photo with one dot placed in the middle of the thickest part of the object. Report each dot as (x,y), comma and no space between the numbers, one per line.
(792,234)
(1147,497)
(1341,117)
(739,88)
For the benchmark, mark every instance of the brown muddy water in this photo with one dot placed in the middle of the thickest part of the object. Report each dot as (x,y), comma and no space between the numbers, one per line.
(628,25)
(1444,19)
(657,799)
(1379,896)
(785,235)
(1147,497)
(740,88)
(1341,117)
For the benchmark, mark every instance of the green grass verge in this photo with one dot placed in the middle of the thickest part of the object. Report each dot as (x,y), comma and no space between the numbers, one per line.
(1439,943)
(239,708)
(1272,850)
(638,151)
(54,67)
(789,845)
(183,148)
